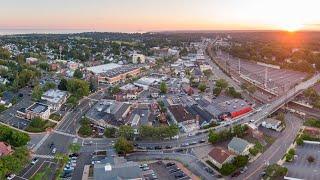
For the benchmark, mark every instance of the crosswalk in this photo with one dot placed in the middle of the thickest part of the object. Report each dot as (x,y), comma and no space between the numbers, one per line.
(64,133)
(43,156)
(41,142)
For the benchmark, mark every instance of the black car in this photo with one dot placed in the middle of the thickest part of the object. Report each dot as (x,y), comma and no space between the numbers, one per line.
(74,155)
(168,147)
(179,150)
(157,147)
(170,164)
(51,145)
(149,148)
(179,175)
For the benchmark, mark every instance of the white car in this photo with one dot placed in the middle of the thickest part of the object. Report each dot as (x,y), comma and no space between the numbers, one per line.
(34,161)
(252,120)
(54,150)
(11,176)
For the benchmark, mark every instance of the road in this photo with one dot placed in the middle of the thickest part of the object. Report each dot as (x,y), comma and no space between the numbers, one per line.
(276,151)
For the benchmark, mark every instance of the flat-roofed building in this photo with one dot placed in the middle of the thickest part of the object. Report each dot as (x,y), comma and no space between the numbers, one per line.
(55,98)
(183,118)
(35,110)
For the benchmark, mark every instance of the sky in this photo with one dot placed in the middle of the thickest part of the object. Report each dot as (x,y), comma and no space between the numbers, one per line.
(160,15)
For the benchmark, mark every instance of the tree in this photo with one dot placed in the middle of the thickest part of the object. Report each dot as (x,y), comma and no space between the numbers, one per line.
(110,132)
(63,85)
(74,147)
(223,84)
(240,161)
(213,137)
(227,169)
(275,171)
(163,88)
(37,93)
(85,129)
(216,91)
(126,132)
(207,73)
(93,84)
(78,74)
(123,146)
(78,88)
(13,137)
(114,90)
(49,85)
(202,87)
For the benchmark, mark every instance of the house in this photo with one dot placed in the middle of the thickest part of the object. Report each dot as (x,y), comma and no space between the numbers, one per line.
(55,98)
(239,146)
(272,124)
(183,118)
(117,168)
(5,149)
(219,156)
(35,110)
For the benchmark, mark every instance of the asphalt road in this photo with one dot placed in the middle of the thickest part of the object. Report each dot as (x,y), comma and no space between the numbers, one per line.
(276,151)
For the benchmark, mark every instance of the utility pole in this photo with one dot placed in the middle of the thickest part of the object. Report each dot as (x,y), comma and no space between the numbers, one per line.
(239,66)
(266,77)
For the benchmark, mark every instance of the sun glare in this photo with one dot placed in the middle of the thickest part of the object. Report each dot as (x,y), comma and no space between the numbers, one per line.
(291,27)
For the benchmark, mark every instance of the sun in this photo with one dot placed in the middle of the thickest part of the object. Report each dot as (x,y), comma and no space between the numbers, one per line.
(291,27)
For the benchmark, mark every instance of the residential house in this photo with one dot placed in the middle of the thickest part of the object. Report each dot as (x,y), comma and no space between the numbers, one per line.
(219,156)
(239,146)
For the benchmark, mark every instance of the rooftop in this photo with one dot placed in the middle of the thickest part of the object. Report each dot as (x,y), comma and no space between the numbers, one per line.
(180,113)
(220,155)
(238,144)
(103,68)
(38,108)
(54,95)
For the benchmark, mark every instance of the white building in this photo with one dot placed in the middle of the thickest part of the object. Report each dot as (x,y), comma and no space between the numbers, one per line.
(138,58)
(272,124)
(55,98)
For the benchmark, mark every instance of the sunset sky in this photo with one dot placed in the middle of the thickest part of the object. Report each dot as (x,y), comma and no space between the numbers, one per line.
(158,15)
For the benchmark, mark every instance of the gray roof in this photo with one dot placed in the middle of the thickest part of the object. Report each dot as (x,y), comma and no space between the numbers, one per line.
(119,169)
(238,144)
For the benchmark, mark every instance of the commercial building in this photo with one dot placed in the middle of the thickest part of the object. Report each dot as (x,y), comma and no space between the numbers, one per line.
(183,118)
(219,156)
(35,110)
(109,113)
(117,168)
(55,98)
(113,73)
(239,146)
(146,82)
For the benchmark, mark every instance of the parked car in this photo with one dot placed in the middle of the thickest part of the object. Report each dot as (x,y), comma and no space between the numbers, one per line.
(74,155)
(10,176)
(34,161)
(54,150)
(169,164)
(168,147)
(157,147)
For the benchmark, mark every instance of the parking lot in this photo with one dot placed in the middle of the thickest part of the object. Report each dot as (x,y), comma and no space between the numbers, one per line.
(169,171)
(300,167)
(280,80)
